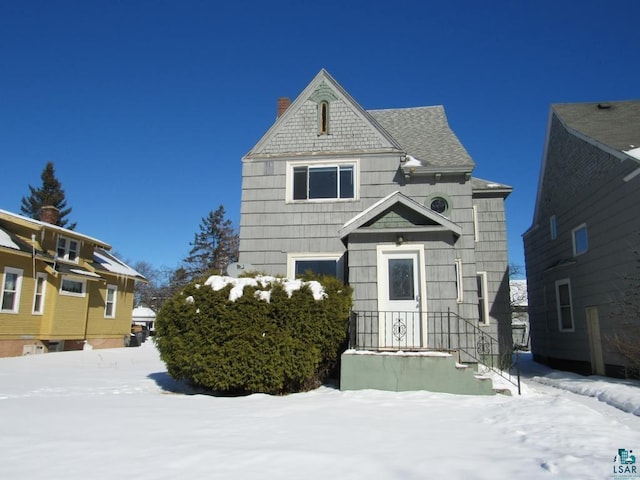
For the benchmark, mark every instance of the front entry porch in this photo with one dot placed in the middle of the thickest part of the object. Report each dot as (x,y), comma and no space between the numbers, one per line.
(440,352)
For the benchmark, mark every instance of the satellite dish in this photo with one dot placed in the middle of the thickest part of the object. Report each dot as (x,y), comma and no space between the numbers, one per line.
(236,269)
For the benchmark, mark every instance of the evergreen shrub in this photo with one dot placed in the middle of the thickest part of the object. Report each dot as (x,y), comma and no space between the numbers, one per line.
(271,339)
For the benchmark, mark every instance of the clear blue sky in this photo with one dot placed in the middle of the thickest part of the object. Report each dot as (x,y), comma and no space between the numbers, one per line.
(146,107)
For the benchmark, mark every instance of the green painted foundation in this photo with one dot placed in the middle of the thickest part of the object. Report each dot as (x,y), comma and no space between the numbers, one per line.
(399,372)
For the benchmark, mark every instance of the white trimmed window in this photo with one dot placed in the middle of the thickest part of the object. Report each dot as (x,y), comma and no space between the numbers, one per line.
(580,240)
(110,302)
(323,118)
(322,181)
(76,287)
(564,305)
(11,286)
(483,302)
(318,263)
(38,293)
(553,227)
(459,286)
(476,229)
(68,249)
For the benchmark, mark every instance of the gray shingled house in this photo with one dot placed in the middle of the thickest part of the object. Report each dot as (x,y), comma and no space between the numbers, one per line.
(385,201)
(582,246)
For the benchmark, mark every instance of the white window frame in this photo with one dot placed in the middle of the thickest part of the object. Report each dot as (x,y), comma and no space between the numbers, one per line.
(574,234)
(559,283)
(484,299)
(67,250)
(323,127)
(476,227)
(293,257)
(15,308)
(459,282)
(553,227)
(355,163)
(113,302)
(81,281)
(39,295)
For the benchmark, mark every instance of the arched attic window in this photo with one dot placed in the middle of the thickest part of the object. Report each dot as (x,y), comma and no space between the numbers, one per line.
(323,118)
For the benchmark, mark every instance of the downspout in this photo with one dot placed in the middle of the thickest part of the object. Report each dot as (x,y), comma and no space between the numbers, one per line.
(33,254)
(86,324)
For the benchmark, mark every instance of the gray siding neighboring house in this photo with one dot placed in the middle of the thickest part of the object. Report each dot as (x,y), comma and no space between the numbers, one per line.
(335,188)
(579,249)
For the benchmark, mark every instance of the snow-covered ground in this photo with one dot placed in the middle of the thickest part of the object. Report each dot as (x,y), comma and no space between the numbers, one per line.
(106,414)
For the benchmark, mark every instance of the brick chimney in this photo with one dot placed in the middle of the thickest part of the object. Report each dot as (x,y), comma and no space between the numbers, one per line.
(49,214)
(283,104)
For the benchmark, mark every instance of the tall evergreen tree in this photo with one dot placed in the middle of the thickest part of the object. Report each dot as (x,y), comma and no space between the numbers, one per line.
(50,193)
(214,247)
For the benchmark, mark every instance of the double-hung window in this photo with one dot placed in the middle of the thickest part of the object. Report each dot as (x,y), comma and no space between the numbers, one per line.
(68,249)
(580,240)
(11,285)
(483,301)
(324,181)
(564,305)
(38,293)
(553,227)
(110,302)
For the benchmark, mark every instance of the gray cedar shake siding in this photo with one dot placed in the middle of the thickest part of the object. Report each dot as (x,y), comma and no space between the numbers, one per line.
(586,179)
(379,142)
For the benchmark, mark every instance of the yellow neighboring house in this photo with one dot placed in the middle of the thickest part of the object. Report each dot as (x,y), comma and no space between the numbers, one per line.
(60,290)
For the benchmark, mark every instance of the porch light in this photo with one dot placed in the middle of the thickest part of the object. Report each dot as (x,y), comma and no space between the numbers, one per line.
(400,239)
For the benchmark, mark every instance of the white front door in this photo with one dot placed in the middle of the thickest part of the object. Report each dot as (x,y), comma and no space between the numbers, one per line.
(400,299)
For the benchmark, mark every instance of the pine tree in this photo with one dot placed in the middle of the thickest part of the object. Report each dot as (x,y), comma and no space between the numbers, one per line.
(214,247)
(50,194)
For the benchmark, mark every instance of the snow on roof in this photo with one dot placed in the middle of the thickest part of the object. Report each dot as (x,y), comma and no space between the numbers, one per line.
(263,283)
(143,312)
(114,265)
(51,226)
(412,162)
(5,240)
(634,152)
(86,273)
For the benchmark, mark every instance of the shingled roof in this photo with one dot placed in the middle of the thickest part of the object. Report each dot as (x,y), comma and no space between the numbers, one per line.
(614,124)
(424,133)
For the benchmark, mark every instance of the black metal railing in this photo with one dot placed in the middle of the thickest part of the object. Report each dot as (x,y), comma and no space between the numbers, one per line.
(445,331)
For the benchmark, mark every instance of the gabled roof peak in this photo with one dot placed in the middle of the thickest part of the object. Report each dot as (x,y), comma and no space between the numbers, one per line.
(388,202)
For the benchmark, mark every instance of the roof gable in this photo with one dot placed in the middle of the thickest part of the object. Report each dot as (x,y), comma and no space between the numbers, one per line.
(397,211)
(613,124)
(351,128)
(611,127)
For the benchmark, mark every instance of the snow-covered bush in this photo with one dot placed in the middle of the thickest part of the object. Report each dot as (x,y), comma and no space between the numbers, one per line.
(262,334)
